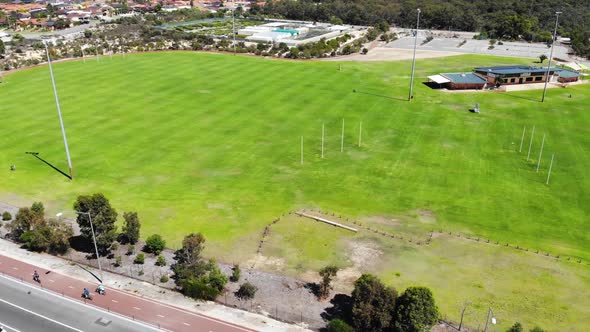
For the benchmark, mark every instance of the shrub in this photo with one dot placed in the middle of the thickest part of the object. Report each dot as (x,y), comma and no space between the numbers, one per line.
(114,246)
(118,261)
(235,276)
(246,291)
(130,250)
(164,279)
(139,259)
(154,244)
(6,215)
(161,261)
(338,325)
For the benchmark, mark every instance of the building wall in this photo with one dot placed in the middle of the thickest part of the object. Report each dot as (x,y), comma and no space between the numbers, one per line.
(464,86)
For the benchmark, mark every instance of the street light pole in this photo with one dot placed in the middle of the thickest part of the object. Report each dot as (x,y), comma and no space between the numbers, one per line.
(61,122)
(233,27)
(410,96)
(94,238)
(490,313)
(554,38)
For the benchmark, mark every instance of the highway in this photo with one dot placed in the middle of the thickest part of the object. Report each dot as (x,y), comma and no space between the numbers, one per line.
(25,308)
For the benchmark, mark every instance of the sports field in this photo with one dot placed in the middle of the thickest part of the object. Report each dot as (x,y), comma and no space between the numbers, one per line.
(211,143)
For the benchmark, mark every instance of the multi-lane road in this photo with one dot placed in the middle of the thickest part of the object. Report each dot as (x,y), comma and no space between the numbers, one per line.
(24,308)
(55,304)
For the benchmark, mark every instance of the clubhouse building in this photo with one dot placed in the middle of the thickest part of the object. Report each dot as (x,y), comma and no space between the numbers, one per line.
(488,77)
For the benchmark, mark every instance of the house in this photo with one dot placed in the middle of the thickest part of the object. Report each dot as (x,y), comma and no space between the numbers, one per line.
(506,75)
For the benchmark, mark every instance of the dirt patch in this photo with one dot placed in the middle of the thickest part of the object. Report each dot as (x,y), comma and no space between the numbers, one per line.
(266,263)
(392,54)
(426,216)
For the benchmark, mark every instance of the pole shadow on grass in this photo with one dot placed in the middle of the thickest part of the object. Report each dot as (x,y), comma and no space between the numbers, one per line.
(520,97)
(36,155)
(377,95)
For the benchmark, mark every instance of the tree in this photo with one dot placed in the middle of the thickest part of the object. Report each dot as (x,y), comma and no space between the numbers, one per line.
(338,325)
(246,291)
(327,273)
(203,281)
(416,310)
(38,208)
(517,327)
(2,47)
(537,329)
(48,235)
(103,220)
(372,304)
(190,253)
(542,58)
(26,219)
(154,244)
(131,227)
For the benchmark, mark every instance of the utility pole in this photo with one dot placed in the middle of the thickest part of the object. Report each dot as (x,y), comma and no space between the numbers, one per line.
(410,96)
(551,55)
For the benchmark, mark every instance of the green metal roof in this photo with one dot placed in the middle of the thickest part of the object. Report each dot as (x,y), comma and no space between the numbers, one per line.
(466,78)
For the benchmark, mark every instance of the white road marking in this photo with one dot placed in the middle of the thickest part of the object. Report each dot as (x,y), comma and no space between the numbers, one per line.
(237,327)
(161,316)
(39,315)
(71,287)
(115,301)
(98,309)
(187,324)
(15,268)
(136,308)
(51,280)
(9,327)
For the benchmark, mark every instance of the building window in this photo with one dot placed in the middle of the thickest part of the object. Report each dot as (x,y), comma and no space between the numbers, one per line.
(529,79)
(538,78)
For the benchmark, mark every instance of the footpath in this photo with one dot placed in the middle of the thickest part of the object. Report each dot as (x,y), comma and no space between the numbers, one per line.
(129,297)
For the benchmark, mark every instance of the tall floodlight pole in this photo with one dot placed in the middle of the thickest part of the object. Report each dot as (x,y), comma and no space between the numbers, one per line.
(61,122)
(410,96)
(233,27)
(554,38)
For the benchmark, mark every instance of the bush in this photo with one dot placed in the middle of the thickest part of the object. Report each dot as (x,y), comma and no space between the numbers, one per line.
(154,244)
(114,246)
(235,276)
(139,259)
(6,215)
(130,250)
(118,261)
(246,291)
(338,325)
(164,279)
(161,261)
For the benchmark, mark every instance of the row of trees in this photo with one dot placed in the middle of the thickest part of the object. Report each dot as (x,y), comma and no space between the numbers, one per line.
(374,307)
(38,233)
(531,20)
